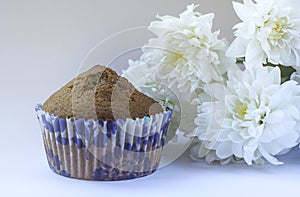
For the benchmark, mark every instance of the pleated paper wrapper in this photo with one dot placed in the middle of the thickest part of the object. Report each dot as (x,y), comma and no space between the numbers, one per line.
(103,150)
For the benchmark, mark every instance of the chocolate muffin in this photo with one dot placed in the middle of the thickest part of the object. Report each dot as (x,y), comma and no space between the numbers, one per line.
(99,127)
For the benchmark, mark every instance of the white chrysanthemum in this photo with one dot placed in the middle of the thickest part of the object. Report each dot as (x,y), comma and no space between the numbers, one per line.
(269,32)
(165,92)
(188,45)
(255,120)
(184,56)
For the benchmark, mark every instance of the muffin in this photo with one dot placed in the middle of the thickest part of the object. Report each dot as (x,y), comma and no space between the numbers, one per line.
(99,127)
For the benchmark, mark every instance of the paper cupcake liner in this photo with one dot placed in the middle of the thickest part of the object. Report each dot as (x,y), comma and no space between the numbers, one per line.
(103,150)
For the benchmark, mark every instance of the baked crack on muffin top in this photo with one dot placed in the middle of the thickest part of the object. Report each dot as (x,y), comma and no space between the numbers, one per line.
(100,93)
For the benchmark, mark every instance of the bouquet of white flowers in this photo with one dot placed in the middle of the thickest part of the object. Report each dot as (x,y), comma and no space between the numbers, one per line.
(250,114)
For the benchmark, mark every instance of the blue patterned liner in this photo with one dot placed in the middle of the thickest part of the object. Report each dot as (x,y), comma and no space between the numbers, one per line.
(103,150)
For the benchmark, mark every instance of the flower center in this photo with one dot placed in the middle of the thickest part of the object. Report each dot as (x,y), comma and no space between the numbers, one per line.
(277,31)
(278,27)
(174,58)
(179,56)
(241,110)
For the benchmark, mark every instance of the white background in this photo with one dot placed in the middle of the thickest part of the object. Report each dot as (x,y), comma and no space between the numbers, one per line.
(42,44)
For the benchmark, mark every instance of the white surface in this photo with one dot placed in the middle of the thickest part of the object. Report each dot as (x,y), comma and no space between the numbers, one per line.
(42,44)
(30,176)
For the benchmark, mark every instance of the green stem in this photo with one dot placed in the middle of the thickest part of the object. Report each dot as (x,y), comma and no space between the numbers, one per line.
(286,71)
(240,60)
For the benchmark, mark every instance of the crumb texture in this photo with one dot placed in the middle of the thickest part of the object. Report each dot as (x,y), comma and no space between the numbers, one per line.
(100,93)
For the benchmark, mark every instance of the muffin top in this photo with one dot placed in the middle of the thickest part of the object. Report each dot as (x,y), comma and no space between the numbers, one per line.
(100,93)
